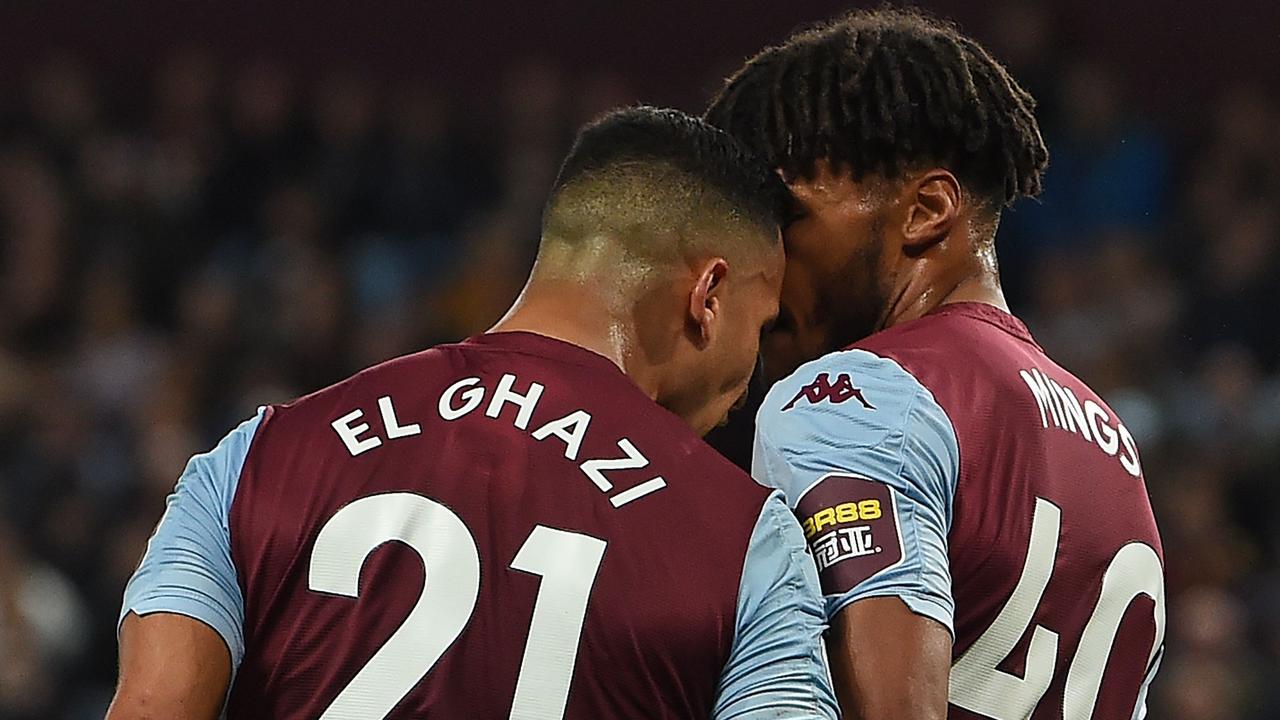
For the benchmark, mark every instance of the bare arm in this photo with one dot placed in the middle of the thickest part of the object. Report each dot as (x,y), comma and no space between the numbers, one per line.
(889,663)
(171,667)
(181,627)
(872,483)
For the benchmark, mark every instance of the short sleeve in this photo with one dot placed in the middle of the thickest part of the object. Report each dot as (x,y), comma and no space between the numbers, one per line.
(776,665)
(868,461)
(187,567)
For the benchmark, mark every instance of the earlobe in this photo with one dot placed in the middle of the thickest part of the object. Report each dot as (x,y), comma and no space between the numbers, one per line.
(711,311)
(704,301)
(933,210)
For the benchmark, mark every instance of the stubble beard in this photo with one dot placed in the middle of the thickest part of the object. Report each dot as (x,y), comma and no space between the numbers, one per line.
(858,306)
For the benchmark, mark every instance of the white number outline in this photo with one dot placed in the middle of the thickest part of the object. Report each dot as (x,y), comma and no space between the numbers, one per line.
(567,562)
(976,684)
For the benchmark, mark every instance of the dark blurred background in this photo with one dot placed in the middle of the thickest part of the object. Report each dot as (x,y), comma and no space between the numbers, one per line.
(205,207)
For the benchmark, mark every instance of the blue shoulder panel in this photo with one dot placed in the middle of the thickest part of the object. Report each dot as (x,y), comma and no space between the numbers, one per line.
(777,667)
(187,567)
(868,461)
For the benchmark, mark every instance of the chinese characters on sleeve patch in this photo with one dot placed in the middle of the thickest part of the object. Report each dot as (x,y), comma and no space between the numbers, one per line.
(851,524)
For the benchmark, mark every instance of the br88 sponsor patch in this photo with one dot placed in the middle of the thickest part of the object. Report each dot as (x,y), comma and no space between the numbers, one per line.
(851,524)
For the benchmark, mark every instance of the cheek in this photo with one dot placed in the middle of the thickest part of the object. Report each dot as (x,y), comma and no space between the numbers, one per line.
(805,238)
(811,257)
(798,288)
(737,361)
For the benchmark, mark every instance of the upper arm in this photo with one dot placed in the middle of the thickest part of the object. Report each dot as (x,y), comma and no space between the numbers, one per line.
(776,666)
(889,662)
(171,667)
(868,461)
(186,578)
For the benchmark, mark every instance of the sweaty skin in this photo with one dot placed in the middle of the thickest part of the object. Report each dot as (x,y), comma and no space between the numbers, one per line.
(687,332)
(864,256)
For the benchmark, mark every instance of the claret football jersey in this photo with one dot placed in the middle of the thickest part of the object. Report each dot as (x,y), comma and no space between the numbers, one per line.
(949,462)
(505,527)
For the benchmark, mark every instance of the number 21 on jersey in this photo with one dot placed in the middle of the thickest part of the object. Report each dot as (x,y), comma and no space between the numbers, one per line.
(976,684)
(567,562)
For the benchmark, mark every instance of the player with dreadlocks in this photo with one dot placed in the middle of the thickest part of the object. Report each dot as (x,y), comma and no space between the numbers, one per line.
(978,515)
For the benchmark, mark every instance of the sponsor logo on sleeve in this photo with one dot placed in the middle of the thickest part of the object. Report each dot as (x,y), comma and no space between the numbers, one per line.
(822,388)
(852,527)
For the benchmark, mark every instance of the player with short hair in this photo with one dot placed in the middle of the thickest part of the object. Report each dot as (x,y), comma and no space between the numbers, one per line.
(513,526)
(978,515)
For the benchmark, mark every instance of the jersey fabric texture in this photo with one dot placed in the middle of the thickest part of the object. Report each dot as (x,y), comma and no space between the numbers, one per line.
(949,462)
(504,527)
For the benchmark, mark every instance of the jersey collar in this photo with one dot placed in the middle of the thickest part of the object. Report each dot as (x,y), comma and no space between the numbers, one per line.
(989,314)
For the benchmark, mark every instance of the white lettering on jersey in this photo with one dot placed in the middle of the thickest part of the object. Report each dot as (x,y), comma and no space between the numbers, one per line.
(634,460)
(571,428)
(464,396)
(1130,459)
(1072,411)
(392,424)
(504,394)
(1088,419)
(470,399)
(1107,438)
(350,434)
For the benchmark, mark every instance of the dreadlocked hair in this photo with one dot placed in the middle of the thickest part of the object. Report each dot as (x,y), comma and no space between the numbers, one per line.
(884,91)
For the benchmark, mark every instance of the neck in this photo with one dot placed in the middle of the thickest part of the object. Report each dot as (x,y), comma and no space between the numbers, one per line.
(957,274)
(573,313)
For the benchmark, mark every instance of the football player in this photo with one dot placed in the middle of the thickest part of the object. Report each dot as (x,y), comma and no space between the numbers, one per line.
(525,524)
(978,515)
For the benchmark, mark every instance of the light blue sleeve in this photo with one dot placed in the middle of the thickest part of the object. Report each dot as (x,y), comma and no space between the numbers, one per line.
(868,461)
(777,667)
(187,567)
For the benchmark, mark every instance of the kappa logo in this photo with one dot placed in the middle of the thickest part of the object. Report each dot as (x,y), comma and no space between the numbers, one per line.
(823,389)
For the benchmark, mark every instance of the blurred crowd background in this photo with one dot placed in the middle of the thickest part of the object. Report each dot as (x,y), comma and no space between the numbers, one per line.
(219,220)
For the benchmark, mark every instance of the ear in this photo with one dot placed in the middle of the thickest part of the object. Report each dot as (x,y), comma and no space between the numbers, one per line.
(933,207)
(705,300)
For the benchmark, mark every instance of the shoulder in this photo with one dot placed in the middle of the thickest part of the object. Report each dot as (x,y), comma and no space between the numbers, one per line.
(412,370)
(218,470)
(858,412)
(421,365)
(955,347)
(865,397)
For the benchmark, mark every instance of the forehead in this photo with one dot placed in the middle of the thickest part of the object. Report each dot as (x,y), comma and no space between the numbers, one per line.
(832,186)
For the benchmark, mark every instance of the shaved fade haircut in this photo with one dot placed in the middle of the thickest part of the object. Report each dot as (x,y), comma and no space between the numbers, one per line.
(661,184)
(883,92)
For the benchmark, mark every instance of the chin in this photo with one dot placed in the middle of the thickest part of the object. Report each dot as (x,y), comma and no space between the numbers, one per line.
(717,416)
(703,429)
